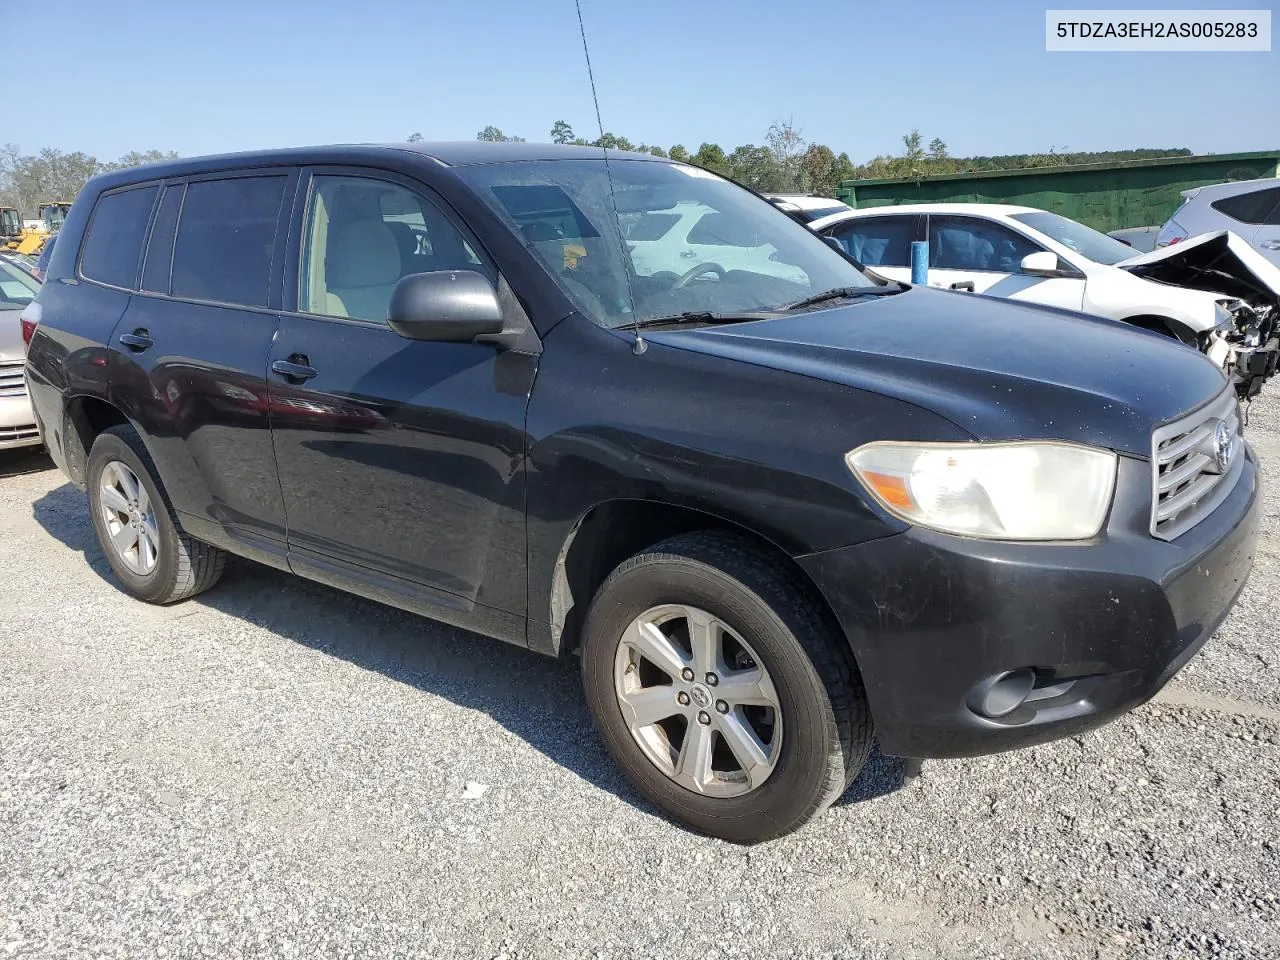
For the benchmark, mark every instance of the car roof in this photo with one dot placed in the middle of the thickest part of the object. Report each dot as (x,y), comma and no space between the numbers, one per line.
(459,153)
(974,209)
(1231,188)
(805,201)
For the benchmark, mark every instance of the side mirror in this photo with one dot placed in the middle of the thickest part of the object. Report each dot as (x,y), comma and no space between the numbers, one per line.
(1040,264)
(452,306)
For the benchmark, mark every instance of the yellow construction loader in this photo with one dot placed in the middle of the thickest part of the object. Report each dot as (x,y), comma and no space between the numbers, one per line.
(52,216)
(10,227)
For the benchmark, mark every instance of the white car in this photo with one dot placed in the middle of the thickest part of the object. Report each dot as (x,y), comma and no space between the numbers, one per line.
(17,423)
(806,209)
(1248,208)
(1212,292)
(693,234)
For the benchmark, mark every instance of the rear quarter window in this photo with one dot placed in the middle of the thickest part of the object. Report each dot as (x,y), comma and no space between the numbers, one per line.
(1259,206)
(112,248)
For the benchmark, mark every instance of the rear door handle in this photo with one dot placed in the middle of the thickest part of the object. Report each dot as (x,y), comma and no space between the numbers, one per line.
(1270,244)
(296,369)
(137,341)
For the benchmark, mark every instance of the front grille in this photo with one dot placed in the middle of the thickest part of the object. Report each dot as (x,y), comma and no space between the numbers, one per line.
(11,382)
(15,434)
(1187,475)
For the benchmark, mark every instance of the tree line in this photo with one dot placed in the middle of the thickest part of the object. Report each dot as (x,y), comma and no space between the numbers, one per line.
(785,162)
(28,180)
(788,163)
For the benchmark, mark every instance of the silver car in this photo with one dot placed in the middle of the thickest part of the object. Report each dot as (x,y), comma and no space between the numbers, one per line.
(1248,208)
(17,423)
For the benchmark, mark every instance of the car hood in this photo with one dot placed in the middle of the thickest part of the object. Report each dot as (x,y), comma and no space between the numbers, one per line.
(1219,261)
(998,369)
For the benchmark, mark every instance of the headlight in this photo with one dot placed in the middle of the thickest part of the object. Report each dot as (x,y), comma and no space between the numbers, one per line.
(1000,491)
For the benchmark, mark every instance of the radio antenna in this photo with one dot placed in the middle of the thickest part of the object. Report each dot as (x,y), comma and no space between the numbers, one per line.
(639,346)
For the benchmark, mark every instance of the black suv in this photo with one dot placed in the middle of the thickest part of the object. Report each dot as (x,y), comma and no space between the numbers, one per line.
(777,506)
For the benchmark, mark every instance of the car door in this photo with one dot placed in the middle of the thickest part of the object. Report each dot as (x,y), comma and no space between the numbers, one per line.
(882,243)
(401,462)
(187,360)
(974,250)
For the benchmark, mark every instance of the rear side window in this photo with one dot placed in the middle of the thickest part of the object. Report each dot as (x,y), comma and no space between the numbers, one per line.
(155,271)
(1260,206)
(876,241)
(112,246)
(226,236)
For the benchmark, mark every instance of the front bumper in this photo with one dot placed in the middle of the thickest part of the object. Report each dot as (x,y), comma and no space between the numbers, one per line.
(17,423)
(1251,367)
(1103,625)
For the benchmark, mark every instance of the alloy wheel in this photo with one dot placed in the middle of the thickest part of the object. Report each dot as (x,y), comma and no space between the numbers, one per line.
(698,701)
(128,518)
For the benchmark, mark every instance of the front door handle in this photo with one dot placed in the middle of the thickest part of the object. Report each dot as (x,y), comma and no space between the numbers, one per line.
(1270,244)
(137,341)
(296,369)
(688,254)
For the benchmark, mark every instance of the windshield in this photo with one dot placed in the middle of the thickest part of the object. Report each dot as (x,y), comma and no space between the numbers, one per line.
(16,288)
(684,240)
(10,223)
(1086,241)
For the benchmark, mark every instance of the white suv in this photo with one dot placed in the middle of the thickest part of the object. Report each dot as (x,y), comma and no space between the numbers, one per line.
(1248,208)
(688,235)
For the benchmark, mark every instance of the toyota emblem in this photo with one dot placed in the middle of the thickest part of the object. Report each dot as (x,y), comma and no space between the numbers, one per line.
(1223,446)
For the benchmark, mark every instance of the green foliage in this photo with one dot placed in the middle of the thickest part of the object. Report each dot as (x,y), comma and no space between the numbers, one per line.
(492,134)
(711,157)
(26,181)
(561,132)
(679,153)
(916,162)
(613,142)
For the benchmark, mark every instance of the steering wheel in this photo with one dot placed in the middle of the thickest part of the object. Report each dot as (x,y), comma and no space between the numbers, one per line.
(698,271)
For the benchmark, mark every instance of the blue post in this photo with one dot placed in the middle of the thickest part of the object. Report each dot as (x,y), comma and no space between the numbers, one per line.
(920,262)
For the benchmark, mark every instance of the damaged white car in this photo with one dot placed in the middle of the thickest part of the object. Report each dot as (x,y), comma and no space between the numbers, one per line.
(1212,292)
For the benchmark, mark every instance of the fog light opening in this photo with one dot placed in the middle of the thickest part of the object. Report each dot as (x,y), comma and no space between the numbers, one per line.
(1001,694)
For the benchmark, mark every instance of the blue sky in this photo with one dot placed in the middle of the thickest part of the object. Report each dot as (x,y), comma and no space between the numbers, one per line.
(201,77)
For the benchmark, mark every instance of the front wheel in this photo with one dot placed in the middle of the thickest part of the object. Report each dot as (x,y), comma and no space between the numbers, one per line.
(721,690)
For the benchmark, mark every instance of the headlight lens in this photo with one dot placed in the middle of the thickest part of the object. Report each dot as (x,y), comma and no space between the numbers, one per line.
(1000,491)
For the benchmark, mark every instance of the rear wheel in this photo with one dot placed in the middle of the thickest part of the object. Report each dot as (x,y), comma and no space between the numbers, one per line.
(136,525)
(721,690)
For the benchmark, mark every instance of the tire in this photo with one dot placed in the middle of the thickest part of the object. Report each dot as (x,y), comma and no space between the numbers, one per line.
(181,567)
(825,724)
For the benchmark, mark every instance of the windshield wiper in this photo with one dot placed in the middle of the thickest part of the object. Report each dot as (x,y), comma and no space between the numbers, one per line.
(841,293)
(699,316)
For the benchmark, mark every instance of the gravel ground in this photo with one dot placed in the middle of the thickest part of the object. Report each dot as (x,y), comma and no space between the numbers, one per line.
(277,769)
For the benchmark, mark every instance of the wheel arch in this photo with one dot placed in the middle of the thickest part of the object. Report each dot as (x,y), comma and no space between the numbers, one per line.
(613,531)
(85,416)
(1168,326)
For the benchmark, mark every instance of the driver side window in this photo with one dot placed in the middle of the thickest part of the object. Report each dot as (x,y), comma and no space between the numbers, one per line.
(362,236)
(964,243)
